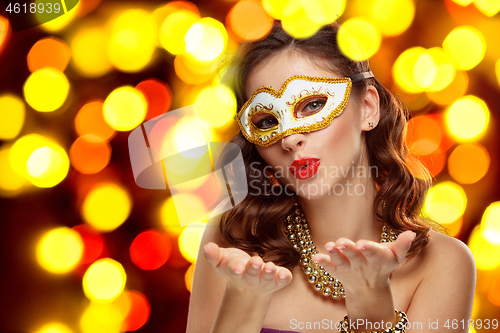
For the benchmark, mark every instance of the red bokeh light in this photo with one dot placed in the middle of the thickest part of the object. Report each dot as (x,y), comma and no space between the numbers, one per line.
(150,250)
(93,243)
(139,311)
(158,95)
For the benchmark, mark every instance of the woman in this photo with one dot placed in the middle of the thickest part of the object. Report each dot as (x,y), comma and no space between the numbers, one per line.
(325,155)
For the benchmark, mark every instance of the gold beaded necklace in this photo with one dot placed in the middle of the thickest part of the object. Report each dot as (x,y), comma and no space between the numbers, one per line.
(299,234)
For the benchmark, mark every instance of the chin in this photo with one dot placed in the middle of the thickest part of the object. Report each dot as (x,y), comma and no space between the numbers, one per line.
(312,188)
(316,188)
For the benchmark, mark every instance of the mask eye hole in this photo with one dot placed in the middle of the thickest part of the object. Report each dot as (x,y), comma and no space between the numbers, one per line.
(264,121)
(310,106)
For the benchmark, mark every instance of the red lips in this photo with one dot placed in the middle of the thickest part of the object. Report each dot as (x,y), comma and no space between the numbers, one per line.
(305,167)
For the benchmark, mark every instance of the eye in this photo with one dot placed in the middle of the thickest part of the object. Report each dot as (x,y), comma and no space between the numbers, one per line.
(265,121)
(310,106)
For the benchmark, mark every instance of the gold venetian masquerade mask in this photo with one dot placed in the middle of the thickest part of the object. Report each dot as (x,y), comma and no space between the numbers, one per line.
(303,104)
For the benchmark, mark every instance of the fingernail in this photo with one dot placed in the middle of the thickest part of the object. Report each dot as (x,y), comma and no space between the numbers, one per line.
(205,249)
(340,247)
(267,270)
(362,248)
(282,276)
(255,266)
(413,236)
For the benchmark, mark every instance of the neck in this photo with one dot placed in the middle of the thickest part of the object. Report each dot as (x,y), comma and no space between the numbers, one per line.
(349,216)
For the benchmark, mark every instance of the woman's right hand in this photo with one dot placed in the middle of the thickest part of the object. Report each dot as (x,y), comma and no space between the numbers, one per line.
(245,273)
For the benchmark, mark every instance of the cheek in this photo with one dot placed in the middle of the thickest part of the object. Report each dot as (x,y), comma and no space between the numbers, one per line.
(337,134)
(270,155)
(342,137)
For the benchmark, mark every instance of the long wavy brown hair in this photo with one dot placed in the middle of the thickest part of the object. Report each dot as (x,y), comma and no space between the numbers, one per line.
(257,224)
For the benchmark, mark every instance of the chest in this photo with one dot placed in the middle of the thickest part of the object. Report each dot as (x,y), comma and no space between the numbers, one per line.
(299,307)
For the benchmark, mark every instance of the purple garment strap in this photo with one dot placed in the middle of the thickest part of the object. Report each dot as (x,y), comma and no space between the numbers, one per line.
(272,330)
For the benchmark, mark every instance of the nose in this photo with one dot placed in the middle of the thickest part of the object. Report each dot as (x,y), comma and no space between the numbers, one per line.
(293,142)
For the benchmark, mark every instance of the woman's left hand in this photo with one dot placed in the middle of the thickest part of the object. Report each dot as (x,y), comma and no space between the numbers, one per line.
(364,268)
(364,264)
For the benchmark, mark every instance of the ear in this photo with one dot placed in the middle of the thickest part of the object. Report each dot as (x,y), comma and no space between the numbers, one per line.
(370,109)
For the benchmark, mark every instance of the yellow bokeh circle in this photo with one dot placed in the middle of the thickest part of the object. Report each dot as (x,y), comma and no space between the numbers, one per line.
(486,253)
(275,8)
(104,281)
(125,108)
(466,46)
(89,51)
(216,105)
(190,208)
(40,160)
(205,40)
(433,70)
(174,29)
(467,119)
(54,328)
(132,40)
(403,69)
(23,148)
(46,89)
(463,2)
(12,114)
(358,39)
(10,181)
(324,11)
(106,317)
(297,23)
(169,219)
(393,17)
(190,240)
(106,207)
(443,72)
(445,202)
(490,223)
(47,166)
(59,250)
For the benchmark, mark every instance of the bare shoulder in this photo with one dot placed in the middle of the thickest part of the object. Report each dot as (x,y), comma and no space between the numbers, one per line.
(447,252)
(447,280)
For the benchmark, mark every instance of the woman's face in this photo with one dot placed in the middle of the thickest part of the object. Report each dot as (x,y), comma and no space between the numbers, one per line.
(324,159)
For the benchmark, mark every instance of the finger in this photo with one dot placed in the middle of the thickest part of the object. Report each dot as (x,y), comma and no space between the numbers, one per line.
(338,258)
(402,244)
(343,243)
(269,272)
(322,259)
(373,252)
(351,252)
(329,246)
(236,267)
(213,254)
(254,266)
(284,276)
(325,261)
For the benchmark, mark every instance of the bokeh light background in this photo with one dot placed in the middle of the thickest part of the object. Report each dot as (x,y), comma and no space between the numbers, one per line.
(86,250)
